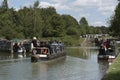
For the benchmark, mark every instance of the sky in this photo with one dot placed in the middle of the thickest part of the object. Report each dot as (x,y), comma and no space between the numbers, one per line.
(96,12)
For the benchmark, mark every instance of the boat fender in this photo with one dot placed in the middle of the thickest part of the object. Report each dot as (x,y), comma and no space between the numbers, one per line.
(44,51)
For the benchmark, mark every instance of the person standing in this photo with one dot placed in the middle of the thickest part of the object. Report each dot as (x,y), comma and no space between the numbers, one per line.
(34,42)
(20,50)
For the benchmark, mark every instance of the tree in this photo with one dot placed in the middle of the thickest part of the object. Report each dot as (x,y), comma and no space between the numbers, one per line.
(4,6)
(36,4)
(40,22)
(115,22)
(57,26)
(84,25)
(72,31)
(83,21)
(71,25)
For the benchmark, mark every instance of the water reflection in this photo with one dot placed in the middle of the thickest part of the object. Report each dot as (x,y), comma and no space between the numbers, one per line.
(83,53)
(39,71)
(45,70)
(77,52)
(7,56)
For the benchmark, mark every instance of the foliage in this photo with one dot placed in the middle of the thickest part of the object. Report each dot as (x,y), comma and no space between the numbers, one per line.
(84,25)
(83,21)
(41,22)
(114,70)
(115,22)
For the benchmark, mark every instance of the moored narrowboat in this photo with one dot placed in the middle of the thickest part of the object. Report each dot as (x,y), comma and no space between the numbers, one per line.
(108,54)
(111,55)
(102,53)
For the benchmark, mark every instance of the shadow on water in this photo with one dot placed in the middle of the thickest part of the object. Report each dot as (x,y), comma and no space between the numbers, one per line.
(6,55)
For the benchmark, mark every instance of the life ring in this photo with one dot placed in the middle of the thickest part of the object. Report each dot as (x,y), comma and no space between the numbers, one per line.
(44,51)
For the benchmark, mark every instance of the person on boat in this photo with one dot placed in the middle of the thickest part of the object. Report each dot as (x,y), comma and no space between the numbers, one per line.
(61,46)
(21,49)
(15,47)
(34,42)
(96,42)
(102,50)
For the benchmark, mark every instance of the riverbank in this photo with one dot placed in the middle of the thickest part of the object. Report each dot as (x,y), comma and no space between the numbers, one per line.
(68,40)
(113,72)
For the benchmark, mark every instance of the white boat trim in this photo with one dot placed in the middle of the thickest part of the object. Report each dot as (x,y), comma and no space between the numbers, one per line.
(41,55)
(111,57)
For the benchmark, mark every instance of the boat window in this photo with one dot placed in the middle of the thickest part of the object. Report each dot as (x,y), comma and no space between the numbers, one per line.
(38,51)
(111,50)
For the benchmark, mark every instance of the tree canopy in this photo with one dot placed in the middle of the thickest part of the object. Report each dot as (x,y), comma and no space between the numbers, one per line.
(40,22)
(115,22)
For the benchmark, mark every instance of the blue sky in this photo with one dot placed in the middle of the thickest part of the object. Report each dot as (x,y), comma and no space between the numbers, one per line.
(97,12)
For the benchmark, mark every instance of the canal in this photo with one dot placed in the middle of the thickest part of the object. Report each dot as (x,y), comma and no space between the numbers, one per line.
(77,65)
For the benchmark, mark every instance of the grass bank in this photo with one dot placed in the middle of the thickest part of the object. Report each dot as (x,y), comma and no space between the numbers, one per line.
(113,72)
(68,40)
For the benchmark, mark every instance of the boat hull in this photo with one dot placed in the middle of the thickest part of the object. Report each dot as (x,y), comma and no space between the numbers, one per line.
(38,57)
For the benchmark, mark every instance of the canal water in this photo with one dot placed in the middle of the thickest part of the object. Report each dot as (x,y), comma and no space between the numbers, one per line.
(77,65)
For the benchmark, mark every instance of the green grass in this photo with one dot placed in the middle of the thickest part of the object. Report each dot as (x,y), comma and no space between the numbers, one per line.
(114,70)
(73,41)
(68,40)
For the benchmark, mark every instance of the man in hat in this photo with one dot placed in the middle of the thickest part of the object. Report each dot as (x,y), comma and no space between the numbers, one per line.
(34,41)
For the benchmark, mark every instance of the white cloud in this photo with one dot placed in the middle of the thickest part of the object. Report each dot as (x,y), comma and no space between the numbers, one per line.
(106,7)
(20,4)
(98,23)
(58,6)
(45,4)
(1,1)
(85,15)
(63,7)
(59,1)
(93,10)
(107,10)
(85,3)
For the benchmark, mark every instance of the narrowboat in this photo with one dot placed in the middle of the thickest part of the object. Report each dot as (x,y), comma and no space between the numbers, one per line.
(108,54)
(111,54)
(5,45)
(48,52)
(102,53)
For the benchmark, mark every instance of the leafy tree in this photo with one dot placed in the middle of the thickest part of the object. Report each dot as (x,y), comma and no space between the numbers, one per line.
(71,25)
(25,16)
(47,14)
(83,21)
(4,5)
(115,22)
(57,26)
(84,25)
(36,4)
(72,31)
(41,22)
